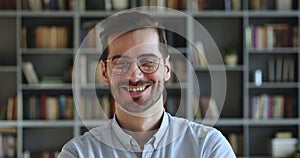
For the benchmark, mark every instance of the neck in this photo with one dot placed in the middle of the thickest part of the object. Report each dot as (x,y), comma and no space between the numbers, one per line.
(140,128)
(136,123)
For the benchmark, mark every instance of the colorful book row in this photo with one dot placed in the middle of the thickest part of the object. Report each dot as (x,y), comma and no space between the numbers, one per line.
(47,4)
(281,69)
(94,108)
(269,36)
(272,106)
(45,154)
(48,107)
(9,111)
(45,37)
(8,142)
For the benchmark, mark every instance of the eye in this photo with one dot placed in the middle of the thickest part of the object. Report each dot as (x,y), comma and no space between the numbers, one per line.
(148,61)
(120,63)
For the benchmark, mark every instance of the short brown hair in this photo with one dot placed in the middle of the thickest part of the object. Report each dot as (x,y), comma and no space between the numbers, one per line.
(127,22)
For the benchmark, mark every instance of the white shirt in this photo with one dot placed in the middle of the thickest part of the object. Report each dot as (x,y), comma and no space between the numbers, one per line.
(176,137)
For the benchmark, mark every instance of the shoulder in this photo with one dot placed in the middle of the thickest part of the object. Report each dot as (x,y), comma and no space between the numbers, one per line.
(95,135)
(196,129)
(208,140)
(190,126)
(79,145)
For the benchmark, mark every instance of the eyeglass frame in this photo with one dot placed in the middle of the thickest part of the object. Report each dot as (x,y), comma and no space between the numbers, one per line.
(137,63)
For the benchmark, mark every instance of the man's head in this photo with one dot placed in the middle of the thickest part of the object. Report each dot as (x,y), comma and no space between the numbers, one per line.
(135,62)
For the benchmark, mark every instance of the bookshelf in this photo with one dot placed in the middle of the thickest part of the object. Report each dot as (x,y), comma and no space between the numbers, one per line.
(77,16)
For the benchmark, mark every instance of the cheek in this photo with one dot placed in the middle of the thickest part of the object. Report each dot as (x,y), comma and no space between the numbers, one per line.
(157,76)
(113,79)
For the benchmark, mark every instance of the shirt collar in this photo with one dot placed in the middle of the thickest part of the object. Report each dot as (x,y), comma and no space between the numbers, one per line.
(161,131)
(126,140)
(122,136)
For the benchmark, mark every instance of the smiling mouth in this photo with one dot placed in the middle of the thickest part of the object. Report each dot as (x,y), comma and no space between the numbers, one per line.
(137,89)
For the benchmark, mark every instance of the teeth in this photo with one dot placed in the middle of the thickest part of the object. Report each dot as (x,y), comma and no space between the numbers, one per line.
(136,89)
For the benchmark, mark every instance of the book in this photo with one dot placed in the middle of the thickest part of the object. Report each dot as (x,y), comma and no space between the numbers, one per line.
(294,36)
(81,108)
(285,69)
(278,69)
(24,37)
(8,4)
(43,109)
(197,111)
(283,134)
(65,4)
(209,108)
(233,141)
(62,106)
(291,70)
(271,35)
(179,69)
(93,108)
(69,108)
(279,106)
(261,40)
(35,5)
(83,69)
(227,5)
(271,69)
(15,108)
(199,57)
(236,4)
(81,5)
(9,111)
(8,142)
(272,106)
(255,4)
(98,74)
(248,36)
(91,70)
(283,4)
(29,72)
(50,36)
(52,108)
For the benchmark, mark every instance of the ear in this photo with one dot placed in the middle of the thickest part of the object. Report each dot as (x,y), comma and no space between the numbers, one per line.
(104,73)
(168,68)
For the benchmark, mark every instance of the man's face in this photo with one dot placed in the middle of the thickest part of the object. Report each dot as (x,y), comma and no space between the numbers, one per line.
(133,89)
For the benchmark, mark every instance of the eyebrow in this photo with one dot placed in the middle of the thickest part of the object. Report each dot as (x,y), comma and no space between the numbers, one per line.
(116,56)
(124,56)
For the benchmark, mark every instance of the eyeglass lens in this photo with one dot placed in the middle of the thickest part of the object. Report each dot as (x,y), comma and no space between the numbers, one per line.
(146,63)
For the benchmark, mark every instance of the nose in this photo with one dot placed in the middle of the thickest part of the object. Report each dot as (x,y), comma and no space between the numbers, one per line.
(134,73)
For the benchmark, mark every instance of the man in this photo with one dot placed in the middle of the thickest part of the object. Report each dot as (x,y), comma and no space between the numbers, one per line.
(135,65)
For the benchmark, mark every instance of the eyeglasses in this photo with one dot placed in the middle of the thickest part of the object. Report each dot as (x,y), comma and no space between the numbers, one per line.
(146,63)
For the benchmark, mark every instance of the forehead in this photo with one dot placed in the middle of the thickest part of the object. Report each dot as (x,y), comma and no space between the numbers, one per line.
(134,42)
